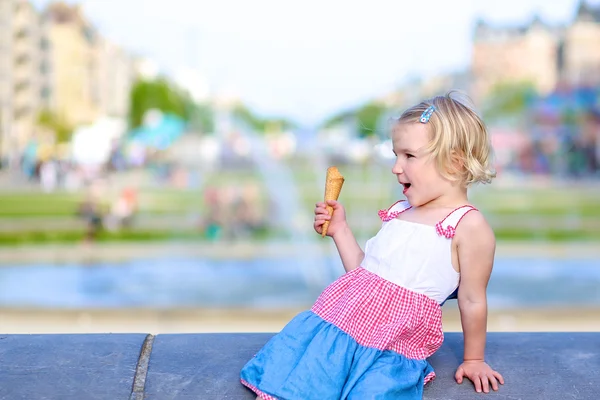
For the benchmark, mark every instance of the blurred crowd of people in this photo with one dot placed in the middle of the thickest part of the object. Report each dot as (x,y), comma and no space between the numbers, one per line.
(559,149)
(233,212)
(116,214)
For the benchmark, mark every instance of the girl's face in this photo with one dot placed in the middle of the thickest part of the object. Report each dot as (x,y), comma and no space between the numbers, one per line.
(414,168)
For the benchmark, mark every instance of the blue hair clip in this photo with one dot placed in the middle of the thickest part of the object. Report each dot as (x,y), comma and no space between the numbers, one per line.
(427,114)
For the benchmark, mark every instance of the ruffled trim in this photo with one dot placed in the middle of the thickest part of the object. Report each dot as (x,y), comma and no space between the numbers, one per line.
(429,378)
(258,392)
(442,228)
(388,215)
(447,232)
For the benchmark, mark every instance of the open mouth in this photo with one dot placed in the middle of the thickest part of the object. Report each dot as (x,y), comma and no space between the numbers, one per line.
(406,187)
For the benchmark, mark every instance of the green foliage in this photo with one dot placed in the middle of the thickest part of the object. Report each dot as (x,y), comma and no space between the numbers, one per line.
(198,236)
(365,118)
(60,126)
(202,117)
(242,113)
(341,118)
(76,236)
(259,124)
(368,117)
(156,94)
(509,99)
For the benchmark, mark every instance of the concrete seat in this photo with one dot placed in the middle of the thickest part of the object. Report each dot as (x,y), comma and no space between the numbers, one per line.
(544,366)
(68,367)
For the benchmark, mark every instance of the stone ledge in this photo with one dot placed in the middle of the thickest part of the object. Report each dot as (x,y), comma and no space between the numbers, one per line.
(206,366)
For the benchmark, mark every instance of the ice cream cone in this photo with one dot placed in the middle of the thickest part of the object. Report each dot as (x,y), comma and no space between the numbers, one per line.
(333,187)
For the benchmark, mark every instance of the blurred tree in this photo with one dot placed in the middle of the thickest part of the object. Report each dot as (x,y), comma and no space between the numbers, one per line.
(156,94)
(259,124)
(343,117)
(366,118)
(509,100)
(201,117)
(61,128)
(244,115)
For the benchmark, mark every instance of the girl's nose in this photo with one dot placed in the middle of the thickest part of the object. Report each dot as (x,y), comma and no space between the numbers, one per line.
(397,169)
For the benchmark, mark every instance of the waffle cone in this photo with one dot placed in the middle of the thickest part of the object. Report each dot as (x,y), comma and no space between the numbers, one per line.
(333,187)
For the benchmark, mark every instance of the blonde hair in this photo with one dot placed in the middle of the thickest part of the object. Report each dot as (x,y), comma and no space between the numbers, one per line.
(459,139)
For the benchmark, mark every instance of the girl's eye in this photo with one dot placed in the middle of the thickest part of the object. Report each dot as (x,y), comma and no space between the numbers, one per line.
(410,156)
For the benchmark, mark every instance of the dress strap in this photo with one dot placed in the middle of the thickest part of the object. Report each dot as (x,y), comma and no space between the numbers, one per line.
(396,209)
(447,226)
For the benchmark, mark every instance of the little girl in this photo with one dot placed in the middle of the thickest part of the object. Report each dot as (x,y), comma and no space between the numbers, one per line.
(370,332)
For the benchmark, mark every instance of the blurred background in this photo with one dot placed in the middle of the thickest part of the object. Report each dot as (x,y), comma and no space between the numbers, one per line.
(160,161)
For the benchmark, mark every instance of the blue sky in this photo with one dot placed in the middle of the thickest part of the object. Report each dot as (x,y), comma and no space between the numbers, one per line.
(308,59)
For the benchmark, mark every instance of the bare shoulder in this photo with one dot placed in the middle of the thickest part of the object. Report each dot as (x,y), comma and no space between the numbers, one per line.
(475,247)
(474,229)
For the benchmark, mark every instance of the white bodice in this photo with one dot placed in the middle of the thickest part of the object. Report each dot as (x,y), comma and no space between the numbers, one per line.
(413,255)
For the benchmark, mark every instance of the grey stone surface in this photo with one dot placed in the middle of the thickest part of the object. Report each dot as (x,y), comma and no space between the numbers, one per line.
(544,366)
(68,367)
(202,366)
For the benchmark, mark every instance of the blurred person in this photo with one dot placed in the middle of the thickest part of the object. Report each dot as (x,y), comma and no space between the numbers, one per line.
(248,217)
(370,332)
(116,161)
(49,170)
(212,223)
(91,210)
(29,160)
(590,132)
(123,210)
(228,196)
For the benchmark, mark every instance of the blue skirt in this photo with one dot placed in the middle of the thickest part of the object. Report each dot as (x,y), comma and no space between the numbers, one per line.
(313,359)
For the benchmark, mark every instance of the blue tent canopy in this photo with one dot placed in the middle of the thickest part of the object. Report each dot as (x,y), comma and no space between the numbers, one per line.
(573,100)
(160,135)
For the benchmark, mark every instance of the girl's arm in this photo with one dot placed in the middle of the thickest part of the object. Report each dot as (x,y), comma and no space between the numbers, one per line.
(476,246)
(350,252)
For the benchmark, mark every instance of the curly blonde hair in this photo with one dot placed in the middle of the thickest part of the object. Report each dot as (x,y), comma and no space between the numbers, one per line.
(459,143)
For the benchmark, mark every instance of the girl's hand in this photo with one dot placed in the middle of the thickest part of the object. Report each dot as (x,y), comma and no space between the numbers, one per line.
(336,222)
(481,374)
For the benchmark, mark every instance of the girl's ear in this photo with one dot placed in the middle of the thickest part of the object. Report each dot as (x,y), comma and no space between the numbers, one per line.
(457,158)
(457,161)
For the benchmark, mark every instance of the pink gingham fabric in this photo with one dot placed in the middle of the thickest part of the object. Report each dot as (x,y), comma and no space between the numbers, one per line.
(258,392)
(395,209)
(447,226)
(382,315)
(430,377)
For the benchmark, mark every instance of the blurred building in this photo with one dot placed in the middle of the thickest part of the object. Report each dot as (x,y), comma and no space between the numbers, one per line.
(508,54)
(21,83)
(116,73)
(72,64)
(581,47)
(89,76)
(55,60)
(6,72)
(538,53)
